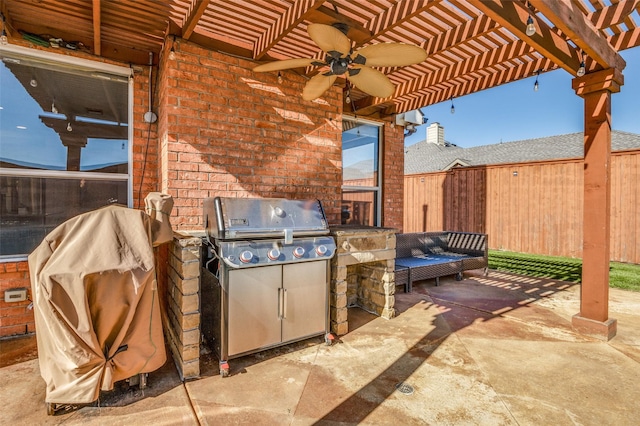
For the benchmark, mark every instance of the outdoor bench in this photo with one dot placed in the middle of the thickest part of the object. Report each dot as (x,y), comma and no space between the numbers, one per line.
(426,255)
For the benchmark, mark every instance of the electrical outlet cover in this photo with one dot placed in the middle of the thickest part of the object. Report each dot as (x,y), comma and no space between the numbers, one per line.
(15,295)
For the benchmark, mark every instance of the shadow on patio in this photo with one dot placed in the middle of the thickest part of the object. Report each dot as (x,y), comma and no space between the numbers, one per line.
(485,350)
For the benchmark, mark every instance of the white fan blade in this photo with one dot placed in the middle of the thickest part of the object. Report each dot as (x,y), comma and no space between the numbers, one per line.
(317,86)
(391,54)
(372,82)
(284,65)
(329,38)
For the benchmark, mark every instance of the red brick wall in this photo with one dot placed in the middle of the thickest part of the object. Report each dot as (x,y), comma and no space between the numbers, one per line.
(393,177)
(15,317)
(227,131)
(224,130)
(145,139)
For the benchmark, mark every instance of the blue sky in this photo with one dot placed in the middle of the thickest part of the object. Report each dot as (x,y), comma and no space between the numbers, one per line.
(514,111)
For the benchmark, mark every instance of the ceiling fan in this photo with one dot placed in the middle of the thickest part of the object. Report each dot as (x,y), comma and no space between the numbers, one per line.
(355,66)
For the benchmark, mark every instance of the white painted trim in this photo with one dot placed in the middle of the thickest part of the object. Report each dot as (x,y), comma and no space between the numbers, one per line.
(62,174)
(362,120)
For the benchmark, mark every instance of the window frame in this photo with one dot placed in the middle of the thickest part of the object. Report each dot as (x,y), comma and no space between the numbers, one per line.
(377,189)
(101,70)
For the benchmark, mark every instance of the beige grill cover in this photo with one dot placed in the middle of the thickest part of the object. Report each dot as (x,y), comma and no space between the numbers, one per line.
(94,291)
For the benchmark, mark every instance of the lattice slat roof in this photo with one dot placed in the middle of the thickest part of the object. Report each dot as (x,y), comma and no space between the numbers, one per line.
(472,45)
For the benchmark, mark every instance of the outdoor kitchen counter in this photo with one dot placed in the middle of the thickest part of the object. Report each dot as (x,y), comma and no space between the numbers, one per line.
(362,273)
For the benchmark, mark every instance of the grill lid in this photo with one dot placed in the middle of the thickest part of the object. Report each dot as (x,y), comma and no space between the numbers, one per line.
(236,218)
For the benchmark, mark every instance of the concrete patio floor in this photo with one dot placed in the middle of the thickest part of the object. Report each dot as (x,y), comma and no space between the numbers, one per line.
(495,350)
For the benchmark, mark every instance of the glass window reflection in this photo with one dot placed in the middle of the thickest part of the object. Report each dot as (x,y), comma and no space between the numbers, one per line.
(64,146)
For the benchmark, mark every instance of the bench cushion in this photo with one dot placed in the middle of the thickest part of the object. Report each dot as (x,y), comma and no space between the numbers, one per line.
(428,259)
(432,266)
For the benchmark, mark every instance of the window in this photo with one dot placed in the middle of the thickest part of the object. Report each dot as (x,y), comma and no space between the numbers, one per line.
(64,143)
(360,172)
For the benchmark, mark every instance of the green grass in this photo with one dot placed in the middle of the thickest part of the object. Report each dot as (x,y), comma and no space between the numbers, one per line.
(622,275)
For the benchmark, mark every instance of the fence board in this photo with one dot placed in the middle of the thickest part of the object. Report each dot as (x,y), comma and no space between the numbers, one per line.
(539,210)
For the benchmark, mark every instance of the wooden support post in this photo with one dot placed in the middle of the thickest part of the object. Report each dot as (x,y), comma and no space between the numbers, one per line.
(596,89)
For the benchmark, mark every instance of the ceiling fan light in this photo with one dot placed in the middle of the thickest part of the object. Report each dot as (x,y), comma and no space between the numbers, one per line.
(531,28)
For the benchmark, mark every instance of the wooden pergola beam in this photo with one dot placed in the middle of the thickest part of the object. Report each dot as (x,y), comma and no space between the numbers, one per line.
(470,65)
(625,40)
(453,37)
(612,15)
(282,26)
(192,17)
(572,22)
(470,30)
(397,15)
(465,86)
(513,16)
(97,46)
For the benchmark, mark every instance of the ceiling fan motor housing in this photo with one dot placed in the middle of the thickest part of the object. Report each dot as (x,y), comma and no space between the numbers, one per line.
(339,66)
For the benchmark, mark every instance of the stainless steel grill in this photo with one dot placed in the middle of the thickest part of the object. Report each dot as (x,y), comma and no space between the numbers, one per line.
(266,276)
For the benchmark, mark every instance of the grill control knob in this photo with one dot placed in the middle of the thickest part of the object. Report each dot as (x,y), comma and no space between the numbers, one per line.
(273,254)
(246,256)
(321,250)
(298,252)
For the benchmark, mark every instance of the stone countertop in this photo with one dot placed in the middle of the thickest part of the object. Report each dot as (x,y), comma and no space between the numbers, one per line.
(339,230)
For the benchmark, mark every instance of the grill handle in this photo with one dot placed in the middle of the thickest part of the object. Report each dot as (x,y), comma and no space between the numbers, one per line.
(284,305)
(280,303)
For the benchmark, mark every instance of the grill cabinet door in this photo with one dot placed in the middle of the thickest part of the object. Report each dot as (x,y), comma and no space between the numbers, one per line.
(305,310)
(253,308)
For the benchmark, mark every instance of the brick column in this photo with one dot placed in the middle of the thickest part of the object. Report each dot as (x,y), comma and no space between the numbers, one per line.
(182,322)
(596,89)
(362,273)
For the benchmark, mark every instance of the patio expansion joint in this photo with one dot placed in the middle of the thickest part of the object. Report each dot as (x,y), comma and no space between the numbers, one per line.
(190,398)
(314,366)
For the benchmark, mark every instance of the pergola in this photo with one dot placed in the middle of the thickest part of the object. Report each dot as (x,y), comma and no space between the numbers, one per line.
(472,45)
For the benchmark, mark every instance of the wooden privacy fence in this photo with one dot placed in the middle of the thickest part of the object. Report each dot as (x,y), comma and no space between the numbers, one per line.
(526,207)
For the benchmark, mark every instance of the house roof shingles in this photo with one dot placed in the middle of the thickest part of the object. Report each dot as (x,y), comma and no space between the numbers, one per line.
(424,157)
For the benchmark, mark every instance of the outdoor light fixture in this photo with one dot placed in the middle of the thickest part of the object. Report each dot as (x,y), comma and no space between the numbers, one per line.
(453,108)
(347,98)
(279,78)
(69,128)
(3,39)
(33,82)
(536,86)
(172,51)
(531,28)
(53,107)
(581,70)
